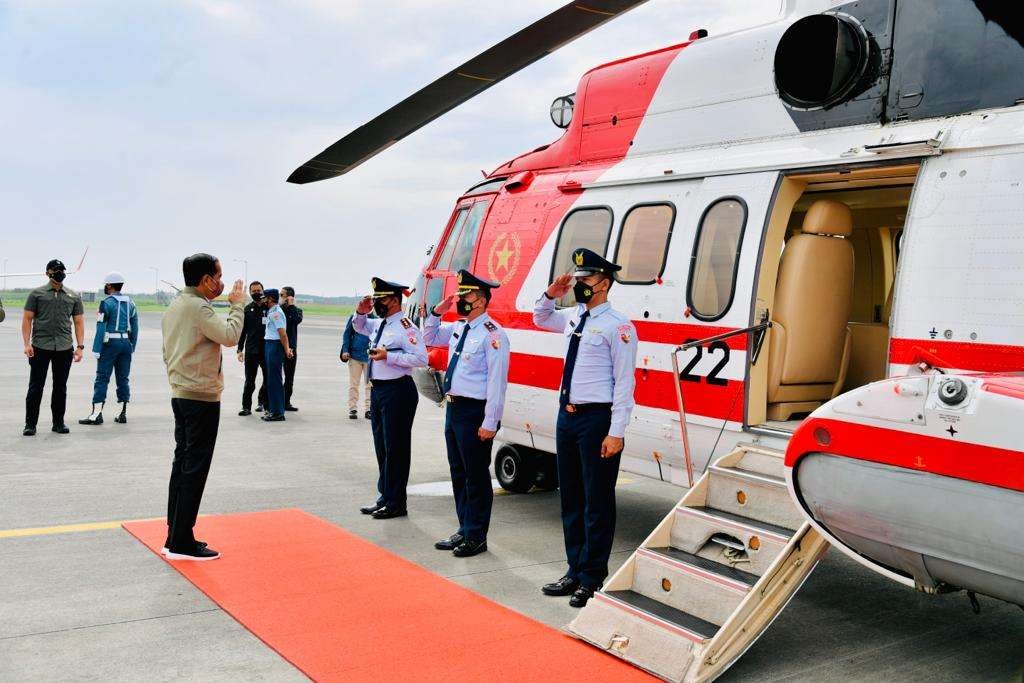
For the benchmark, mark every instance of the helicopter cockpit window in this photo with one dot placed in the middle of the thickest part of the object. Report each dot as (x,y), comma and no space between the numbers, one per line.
(467,240)
(643,243)
(445,259)
(590,228)
(492,185)
(715,257)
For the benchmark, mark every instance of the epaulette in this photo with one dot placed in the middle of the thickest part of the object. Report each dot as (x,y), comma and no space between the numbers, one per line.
(406,323)
(491,327)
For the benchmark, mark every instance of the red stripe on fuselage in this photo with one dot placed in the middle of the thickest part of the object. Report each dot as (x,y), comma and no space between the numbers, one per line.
(974,356)
(946,457)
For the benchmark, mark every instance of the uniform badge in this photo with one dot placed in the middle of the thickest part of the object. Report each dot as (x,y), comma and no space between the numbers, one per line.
(491,327)
(412,339)
(626,333)
(578,258)
(495,343)
(406,323)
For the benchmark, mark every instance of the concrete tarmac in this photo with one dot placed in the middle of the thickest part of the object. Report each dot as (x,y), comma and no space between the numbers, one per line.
(96,604)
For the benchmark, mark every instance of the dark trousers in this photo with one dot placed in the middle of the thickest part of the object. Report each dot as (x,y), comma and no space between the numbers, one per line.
(195,435)
(289,376)
(116,358)
(273,351)
(392,409)
(587,485)
(39,365)
(254,362)
(469,459)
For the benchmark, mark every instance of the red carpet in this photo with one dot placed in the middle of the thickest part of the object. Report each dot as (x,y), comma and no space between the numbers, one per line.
(339,607)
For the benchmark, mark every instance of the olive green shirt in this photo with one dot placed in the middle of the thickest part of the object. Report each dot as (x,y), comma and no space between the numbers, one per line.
(53,309)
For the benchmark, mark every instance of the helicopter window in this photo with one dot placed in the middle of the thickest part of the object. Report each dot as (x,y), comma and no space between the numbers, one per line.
(643,243)
(590,228)
(446,254)
(492,185)
(467,240)
(715,257)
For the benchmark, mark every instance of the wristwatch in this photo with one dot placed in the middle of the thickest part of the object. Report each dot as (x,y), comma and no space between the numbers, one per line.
(80,347)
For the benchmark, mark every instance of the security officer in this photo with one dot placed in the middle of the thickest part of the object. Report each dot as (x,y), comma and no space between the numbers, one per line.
(276,349)
(293,317)
(594,405)
(250,350)
(117,335)
(474,387)
(396,348)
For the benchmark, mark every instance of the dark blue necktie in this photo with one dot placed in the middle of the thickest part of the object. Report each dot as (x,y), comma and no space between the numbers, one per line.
(570,359)
(380,333)
(450,372)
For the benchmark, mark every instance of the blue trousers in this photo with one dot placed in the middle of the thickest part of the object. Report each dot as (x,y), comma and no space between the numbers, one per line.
(469,460)
(392,410)
(587,485)
(274,354)
(115,357)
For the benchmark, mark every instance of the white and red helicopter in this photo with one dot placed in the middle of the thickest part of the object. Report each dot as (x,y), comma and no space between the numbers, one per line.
(820,226)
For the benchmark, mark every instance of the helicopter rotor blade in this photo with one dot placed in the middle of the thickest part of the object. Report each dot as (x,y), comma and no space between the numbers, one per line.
(516,52)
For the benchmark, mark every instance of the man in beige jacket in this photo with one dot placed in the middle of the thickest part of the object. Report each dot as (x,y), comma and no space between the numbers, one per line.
(193,337)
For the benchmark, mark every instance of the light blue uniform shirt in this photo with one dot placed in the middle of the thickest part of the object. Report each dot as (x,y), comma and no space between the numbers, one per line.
(401,338)
(275,321)
(117,317)
(482,371)
(606,362)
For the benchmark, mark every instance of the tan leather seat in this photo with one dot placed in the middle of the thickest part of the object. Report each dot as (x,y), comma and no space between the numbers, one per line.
(810,341)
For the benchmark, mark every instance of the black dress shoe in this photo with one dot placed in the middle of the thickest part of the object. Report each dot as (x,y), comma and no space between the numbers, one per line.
(28,431)
(389,513)
(367,414)
(61,428)
(564,586)
(450,543)
(259,407)
(271,417)
(197,553)
(581,596)
(353,415)
(470,548)
(245,412)
(290,408)
(370,509)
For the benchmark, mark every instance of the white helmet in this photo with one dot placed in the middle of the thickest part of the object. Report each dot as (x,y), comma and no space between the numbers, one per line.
(113,278)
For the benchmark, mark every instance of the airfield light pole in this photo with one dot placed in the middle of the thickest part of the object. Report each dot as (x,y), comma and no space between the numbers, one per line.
(156,279)
(245,262)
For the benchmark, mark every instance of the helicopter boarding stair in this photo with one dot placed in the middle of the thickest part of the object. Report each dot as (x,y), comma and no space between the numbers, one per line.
(712,576)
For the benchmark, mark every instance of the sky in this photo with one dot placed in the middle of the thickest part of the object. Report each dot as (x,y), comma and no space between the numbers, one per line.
(149,130)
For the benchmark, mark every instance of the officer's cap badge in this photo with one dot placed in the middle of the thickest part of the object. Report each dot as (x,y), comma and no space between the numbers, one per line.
(578,257)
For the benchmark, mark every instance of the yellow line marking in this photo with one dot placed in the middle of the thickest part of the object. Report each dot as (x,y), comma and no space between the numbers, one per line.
(475,78)
(60,529)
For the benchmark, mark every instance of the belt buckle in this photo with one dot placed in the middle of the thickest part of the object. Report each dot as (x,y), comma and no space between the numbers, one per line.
(449,399)
(570,408)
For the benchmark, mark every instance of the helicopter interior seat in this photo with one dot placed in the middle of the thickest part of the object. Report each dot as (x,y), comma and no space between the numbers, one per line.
(869,349)
(810,336)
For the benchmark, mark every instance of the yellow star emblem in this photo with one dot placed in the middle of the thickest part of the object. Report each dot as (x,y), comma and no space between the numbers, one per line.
(503,256)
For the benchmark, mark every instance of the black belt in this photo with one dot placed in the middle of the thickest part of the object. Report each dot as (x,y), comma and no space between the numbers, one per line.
(464,400)
(574,408)
(403,378)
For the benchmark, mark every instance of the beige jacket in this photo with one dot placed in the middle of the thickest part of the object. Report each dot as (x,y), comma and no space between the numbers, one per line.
(193,336)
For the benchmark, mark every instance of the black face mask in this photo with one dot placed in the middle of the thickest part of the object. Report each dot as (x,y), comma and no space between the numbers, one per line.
(58,276)
(380,308)
(257,297)
(583,292)
(464,307)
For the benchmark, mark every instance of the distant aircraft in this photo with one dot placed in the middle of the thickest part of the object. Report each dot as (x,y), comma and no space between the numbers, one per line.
(38,273)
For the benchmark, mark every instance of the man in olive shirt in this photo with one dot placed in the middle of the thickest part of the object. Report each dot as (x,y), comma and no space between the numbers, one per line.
(193,337)
(46,331)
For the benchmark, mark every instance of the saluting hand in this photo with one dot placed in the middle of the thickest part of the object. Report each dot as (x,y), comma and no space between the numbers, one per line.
(365,305)
(561,286)
(611,446)
(237,293)
(442,307)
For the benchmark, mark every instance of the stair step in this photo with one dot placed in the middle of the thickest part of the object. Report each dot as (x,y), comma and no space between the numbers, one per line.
(702,593)
(694,628)
(762,461)
(694,527)
(706,564)
(752,494)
